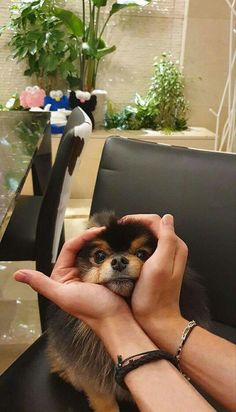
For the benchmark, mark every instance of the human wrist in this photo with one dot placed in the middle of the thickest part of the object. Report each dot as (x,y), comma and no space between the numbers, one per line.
(165,332)
(122,335)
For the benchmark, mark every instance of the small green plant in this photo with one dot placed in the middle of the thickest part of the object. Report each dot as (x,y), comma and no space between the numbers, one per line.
(13,103)
(38,39)
(125,119)
(163,108)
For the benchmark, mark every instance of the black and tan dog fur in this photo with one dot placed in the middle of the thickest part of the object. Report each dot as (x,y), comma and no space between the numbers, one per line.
(113,259)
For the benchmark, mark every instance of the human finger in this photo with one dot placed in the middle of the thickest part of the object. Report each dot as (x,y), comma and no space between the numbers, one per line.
(164,255)
(152,221)
(181,251)
(180,260)
(71,247)
(39,282)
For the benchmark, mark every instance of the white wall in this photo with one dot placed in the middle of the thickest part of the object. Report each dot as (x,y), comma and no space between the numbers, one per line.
(206,58)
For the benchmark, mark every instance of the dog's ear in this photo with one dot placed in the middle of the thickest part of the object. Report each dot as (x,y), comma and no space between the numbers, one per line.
(104,218)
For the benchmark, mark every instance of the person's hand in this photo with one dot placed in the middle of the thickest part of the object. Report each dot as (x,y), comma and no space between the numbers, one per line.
(156,294)
(90,302)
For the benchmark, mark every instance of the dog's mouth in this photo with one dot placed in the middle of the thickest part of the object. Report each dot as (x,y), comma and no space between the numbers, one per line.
(123,286)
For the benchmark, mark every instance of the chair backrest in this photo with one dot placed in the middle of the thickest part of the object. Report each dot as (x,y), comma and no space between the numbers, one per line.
(197,187)
(51,217)
(76,118)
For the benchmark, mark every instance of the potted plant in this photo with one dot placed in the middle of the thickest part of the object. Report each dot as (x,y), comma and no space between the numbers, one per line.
(38,38)
(87,30)
(163,108)
(56,42)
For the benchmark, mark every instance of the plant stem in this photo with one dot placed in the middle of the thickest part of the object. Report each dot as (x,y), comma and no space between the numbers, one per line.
(90,8)
(97,22)
(95,73)
(104,26)
(90,74)
(84,19)
(81,74)
(92,40)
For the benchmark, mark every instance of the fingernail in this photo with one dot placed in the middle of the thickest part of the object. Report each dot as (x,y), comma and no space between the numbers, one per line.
(21,276)
(168,220)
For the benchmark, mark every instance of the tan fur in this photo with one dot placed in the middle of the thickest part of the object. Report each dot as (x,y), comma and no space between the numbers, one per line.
(102,244)
(138,243)
(92,276)
(102,397)
(99,402)
(58,366)
(102,403)
(56,363)
(104,274)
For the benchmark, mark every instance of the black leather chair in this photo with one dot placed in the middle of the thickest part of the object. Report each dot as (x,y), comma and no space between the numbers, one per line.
(77,118)
(36,231)
(198,188)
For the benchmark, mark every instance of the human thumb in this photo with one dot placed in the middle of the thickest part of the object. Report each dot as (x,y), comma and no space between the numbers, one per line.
(38,281)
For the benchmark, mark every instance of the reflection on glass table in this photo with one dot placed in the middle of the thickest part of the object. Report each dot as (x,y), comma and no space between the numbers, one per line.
(21,134)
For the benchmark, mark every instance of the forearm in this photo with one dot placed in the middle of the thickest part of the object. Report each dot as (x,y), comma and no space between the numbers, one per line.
(123,336)
(159,386)
(211,362)
(154,386)
(208,360)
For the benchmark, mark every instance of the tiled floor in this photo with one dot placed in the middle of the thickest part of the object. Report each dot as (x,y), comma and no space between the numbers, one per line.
(19,318)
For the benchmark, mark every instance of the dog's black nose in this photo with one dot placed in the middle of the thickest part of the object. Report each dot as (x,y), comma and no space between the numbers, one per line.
(119,263)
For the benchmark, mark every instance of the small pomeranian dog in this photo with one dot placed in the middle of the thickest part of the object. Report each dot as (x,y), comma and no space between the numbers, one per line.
(113,259)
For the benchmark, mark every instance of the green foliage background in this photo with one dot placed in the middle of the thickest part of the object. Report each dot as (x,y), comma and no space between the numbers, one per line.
(163,108)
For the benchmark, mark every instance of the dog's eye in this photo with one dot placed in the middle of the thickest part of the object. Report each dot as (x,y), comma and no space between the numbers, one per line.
(142,254)
(99,256)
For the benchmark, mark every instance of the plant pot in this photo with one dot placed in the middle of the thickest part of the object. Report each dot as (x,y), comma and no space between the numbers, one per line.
(99,112)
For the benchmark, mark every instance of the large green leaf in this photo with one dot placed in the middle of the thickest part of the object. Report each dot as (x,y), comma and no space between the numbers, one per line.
(66,68)
(100,3)
(122,4)
(97,52)
(102,52)
(30,9)
(71,21)
(3,28)
(50,62)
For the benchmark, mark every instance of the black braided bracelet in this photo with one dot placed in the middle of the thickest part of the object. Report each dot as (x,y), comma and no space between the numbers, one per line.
(125,366)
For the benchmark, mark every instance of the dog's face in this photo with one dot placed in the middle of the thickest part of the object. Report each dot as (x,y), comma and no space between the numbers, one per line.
(115,258)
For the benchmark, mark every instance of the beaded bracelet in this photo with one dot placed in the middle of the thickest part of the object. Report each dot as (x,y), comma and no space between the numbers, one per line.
(127,365)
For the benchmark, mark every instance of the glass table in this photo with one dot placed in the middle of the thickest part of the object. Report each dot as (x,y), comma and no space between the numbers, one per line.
(25,143)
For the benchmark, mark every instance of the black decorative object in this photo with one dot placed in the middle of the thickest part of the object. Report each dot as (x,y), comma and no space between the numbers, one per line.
(85,100)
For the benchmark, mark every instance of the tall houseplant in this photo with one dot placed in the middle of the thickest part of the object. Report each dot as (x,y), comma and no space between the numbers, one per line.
(87,32)
(55,42)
